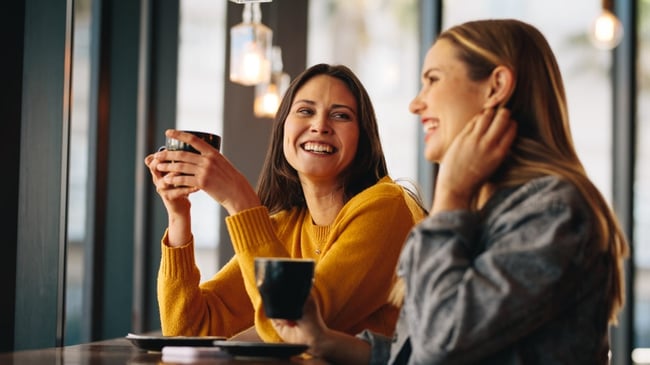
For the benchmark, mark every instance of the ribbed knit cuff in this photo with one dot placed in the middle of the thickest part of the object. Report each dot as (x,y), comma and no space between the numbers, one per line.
(250,229)
(177,262)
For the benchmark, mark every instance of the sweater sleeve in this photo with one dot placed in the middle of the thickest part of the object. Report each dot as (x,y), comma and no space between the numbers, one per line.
(475,287)
(379,347)
(218,307)
(252,234)
(356,269)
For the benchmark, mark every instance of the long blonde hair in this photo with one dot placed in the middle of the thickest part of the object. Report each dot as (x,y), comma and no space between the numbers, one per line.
(544,145)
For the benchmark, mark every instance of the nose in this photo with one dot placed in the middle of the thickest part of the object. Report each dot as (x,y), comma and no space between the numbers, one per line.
(320,125)
(417,105)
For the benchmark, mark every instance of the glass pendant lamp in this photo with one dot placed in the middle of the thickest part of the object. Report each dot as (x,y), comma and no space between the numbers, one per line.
(269,94)
(606,30)
(250,48)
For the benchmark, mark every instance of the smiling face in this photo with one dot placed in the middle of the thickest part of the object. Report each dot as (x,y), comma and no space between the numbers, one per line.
(448,99)
(321,131)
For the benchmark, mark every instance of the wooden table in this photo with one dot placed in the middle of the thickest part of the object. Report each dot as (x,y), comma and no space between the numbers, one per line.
(122,352)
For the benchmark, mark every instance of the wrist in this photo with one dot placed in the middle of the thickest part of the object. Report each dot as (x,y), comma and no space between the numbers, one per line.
(448,202)
(340,348)
(320,345)
(179,231)
(234,207)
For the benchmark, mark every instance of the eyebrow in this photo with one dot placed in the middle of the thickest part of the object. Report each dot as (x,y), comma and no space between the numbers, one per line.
(334,106)
(428,71)
(303,101)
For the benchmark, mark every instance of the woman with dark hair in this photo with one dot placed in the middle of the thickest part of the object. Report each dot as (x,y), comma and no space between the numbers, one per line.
(324,194)
(520,260)
(279,186)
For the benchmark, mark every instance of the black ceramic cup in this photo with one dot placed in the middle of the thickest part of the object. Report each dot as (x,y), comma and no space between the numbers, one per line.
(284,284)
(172,144)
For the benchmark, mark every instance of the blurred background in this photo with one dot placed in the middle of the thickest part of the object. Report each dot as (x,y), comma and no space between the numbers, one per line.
(383,42)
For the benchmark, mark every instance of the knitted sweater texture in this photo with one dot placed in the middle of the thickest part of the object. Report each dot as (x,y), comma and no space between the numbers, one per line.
(355,256)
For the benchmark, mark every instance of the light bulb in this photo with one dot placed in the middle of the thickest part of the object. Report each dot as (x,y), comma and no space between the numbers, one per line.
(268,96)
(606,31)
(255,67)
(267,102)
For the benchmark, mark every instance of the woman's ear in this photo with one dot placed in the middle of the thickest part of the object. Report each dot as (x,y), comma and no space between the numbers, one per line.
(500,86)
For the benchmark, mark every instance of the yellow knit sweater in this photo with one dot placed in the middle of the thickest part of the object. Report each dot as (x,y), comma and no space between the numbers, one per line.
(355,259)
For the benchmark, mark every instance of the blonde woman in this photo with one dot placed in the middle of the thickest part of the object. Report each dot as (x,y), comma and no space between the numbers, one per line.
(520,259)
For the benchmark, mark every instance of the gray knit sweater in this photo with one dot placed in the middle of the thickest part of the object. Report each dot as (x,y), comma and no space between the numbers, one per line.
(520,282)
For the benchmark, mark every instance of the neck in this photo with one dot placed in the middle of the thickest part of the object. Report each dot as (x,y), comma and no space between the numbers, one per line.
(324,202)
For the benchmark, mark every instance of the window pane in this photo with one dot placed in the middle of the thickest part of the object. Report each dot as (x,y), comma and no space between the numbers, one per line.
(642,186)
(200,95)
(585,69)
(78,174)
(378,40)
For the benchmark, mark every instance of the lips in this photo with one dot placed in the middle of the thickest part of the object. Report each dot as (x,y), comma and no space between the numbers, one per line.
(428,125)
(318,147)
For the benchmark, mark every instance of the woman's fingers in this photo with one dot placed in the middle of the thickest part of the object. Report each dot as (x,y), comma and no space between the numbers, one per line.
(474,155)
(508,137)
(306,329)
(481,122)
(490,124)
(168,183)
(499,125)
(487,132)
(209,171)
(185,162)
(199,144)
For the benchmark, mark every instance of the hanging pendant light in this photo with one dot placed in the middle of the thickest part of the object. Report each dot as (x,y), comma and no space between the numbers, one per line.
(606,31)
(250,47)
(269,94)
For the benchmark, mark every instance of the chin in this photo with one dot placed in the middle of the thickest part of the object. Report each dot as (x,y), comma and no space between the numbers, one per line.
(432,156)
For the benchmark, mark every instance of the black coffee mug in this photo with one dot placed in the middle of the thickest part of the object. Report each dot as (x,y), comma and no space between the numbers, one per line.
(284,284)
(172,144)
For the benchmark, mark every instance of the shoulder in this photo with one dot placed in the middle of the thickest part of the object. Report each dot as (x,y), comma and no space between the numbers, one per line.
(384,191)
(387,195)
(548,196)
(551,190)
(384,187)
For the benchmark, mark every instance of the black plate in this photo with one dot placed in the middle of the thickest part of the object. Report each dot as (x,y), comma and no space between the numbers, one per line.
(259,349)
(156,343)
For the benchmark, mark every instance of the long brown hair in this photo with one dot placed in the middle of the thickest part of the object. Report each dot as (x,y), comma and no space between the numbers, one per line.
(279,186)
(544,145)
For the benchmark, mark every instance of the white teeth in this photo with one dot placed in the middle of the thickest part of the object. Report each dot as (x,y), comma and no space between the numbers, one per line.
(318,147)
(429,126)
